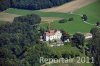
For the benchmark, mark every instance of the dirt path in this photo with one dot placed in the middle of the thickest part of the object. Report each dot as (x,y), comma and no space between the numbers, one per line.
(86,21)
(68,7)
(50,19)
(7,17)
(10,17)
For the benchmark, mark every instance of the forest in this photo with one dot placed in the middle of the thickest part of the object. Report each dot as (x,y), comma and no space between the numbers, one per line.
(4,4)
(95,45)
(20,44)
(16,38)
(30,4)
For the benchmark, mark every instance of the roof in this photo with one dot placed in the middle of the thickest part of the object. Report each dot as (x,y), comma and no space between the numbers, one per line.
(88,34)
(50,33)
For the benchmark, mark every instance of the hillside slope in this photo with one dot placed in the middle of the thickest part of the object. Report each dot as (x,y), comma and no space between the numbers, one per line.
(72,6)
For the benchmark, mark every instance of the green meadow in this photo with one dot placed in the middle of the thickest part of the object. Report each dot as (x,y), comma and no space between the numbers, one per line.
(77,25)
(92,11)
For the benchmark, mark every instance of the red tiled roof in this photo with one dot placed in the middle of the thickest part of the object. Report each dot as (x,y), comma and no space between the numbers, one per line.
(50,33)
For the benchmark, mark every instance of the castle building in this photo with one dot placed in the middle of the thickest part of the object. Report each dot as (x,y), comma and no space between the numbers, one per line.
(52,35)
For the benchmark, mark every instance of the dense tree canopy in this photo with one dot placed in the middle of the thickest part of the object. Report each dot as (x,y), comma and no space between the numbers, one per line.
(78,39)
(95,45)
(4,4)
(30,19)
(16,37)
(31,4)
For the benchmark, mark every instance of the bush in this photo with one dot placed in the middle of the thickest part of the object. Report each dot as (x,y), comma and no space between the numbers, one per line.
(62,21)
(71,19)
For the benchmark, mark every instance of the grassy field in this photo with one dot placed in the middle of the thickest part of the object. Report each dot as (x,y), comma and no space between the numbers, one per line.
(92,10)
(66,49)
(74,26)
(42,14)
(77,25)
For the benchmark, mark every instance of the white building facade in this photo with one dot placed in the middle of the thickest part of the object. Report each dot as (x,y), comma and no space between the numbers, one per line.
(88,36)
(52,35)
